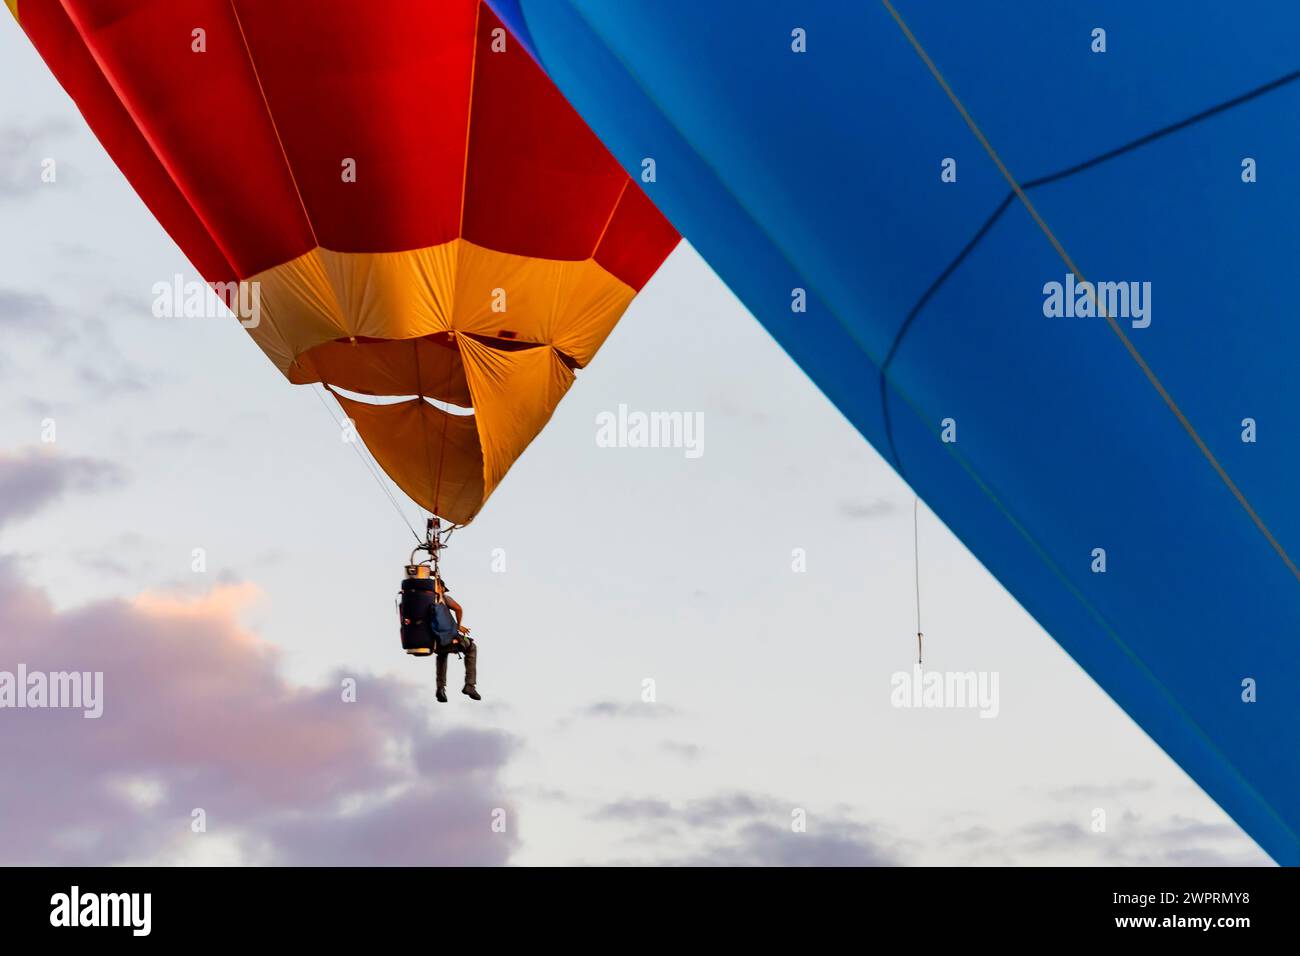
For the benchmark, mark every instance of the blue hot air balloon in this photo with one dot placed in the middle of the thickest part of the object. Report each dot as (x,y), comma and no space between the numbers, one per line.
(1046,253)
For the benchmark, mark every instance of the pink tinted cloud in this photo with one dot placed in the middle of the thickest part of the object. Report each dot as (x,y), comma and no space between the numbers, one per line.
(196,714)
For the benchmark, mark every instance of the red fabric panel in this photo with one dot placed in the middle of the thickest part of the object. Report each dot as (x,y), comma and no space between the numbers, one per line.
(220,144)
(61,46)
(384,82)
(205,116)
(637,240)
(540,183)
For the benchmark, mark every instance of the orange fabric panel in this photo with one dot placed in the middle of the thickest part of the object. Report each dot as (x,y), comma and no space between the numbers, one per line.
(572,306)
(395,295)
(297,310)
(409,367)
(514,396)
(451,464)
(325,296)
(430,454)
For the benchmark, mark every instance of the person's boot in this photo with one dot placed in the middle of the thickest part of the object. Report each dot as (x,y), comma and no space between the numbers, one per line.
(471,673)
(441,695)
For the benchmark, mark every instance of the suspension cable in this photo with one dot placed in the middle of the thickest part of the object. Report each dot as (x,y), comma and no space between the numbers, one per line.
(372,468)
(446,418)
(916,560)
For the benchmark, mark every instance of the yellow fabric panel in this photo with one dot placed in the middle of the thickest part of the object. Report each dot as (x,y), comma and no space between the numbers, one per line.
(13,7)
(323,296)
(433,456)
(514,393)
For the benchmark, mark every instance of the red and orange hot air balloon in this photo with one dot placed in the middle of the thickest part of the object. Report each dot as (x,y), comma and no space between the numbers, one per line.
(425,216)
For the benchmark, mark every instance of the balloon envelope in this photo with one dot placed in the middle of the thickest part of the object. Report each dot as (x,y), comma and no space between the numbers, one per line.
(812,147)
(423,215)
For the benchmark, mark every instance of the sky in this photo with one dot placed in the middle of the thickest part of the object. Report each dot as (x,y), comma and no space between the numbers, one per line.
(684,659)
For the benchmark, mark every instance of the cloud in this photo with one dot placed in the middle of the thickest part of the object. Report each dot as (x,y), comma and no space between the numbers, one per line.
(33,478)
(746,829)
(196,714)
(837,843)
(24,310)
(975,835)
(624,709)
(741,829)
(634,810)
(1130,839)
(128,555)
(719,811)
(875,508)
(75,338)
(686,751)
(113,380)
(1180,841)
(1094,791)
(22,149)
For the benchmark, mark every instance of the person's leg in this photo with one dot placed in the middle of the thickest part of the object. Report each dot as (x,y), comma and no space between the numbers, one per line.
(442,676)
(471,671)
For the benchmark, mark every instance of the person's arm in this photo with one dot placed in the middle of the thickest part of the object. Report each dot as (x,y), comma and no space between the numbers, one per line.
(456,609)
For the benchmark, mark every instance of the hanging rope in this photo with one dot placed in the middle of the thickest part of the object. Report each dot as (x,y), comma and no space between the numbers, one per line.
(373,469)
(373,466)
(446,418)
(442,440)
(916,560)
